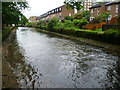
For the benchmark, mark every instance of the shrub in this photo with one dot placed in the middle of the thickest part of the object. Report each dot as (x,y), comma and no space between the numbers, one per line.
(59,26)
(68,23)
(69,18)
(80,22)
(52,22)
(41,23)
(111,33)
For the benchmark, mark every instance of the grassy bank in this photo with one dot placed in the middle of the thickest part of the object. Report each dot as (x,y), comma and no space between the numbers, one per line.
(73,28)
(109,36)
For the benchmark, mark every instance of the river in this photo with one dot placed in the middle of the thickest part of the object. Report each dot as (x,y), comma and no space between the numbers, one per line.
(40,60)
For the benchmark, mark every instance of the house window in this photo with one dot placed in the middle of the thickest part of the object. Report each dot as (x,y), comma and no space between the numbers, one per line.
(116,8)
(60,8)
(109,8)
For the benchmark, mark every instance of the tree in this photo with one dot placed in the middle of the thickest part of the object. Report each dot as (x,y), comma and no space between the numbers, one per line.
(23,20)
(11,12)
(78,15)
(73,4)
(101,18)
(86,14)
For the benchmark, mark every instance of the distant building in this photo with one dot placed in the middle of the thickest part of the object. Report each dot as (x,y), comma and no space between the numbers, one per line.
(33,19)
(87,4)
(112,7)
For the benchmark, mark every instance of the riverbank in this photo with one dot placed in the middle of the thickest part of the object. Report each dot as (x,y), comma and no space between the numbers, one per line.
(107,46)
(9,79)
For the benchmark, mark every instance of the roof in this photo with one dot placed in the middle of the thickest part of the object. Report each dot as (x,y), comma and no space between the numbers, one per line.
(98,5)
(106,3)
(111,3)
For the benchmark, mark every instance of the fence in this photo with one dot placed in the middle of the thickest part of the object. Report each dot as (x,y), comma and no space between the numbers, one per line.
(109,26)
(93,26)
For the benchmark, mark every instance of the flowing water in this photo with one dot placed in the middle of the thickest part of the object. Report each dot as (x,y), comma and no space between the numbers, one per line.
(45,61)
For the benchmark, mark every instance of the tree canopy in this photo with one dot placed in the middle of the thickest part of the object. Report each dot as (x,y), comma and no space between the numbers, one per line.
(12,11)
(73,4)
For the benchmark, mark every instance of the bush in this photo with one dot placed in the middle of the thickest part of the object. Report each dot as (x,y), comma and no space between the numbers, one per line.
(80,22)
(69,18)
(41,23)
(111,33)
(78,16)
(68,23)
(59,26)
(52,22)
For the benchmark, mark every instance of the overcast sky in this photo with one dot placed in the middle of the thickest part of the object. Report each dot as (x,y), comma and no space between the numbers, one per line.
(39,7)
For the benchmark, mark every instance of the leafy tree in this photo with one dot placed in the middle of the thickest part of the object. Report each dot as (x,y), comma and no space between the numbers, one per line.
(23,20)
(86,14)
(73,4)
(78,15)
(101,18)
(11,12)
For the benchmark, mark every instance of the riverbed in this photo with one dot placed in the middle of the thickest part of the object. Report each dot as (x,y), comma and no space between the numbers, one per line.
(42,60)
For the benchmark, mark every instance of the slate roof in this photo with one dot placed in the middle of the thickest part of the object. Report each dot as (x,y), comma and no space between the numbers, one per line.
(110,3)
(106,3)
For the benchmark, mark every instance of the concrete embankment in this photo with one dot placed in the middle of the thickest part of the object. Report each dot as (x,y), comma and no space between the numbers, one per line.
(9,79)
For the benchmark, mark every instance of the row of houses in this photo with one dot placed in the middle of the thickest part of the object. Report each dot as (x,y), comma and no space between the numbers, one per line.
(112,7)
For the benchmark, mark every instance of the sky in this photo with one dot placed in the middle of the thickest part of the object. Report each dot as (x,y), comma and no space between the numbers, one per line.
(38,7)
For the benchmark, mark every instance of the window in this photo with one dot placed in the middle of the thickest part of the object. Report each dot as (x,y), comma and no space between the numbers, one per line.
(60,8)
(116,8)
(108,7)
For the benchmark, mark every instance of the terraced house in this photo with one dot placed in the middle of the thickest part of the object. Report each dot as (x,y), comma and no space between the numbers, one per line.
(112,7)
(59,12)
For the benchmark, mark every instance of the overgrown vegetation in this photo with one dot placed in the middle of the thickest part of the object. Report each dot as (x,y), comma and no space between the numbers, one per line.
(101,18)
(12,15)
(6,32)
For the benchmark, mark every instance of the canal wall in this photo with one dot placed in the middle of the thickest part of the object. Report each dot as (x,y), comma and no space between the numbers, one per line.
(9,79)
(107,37)
(110,47)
